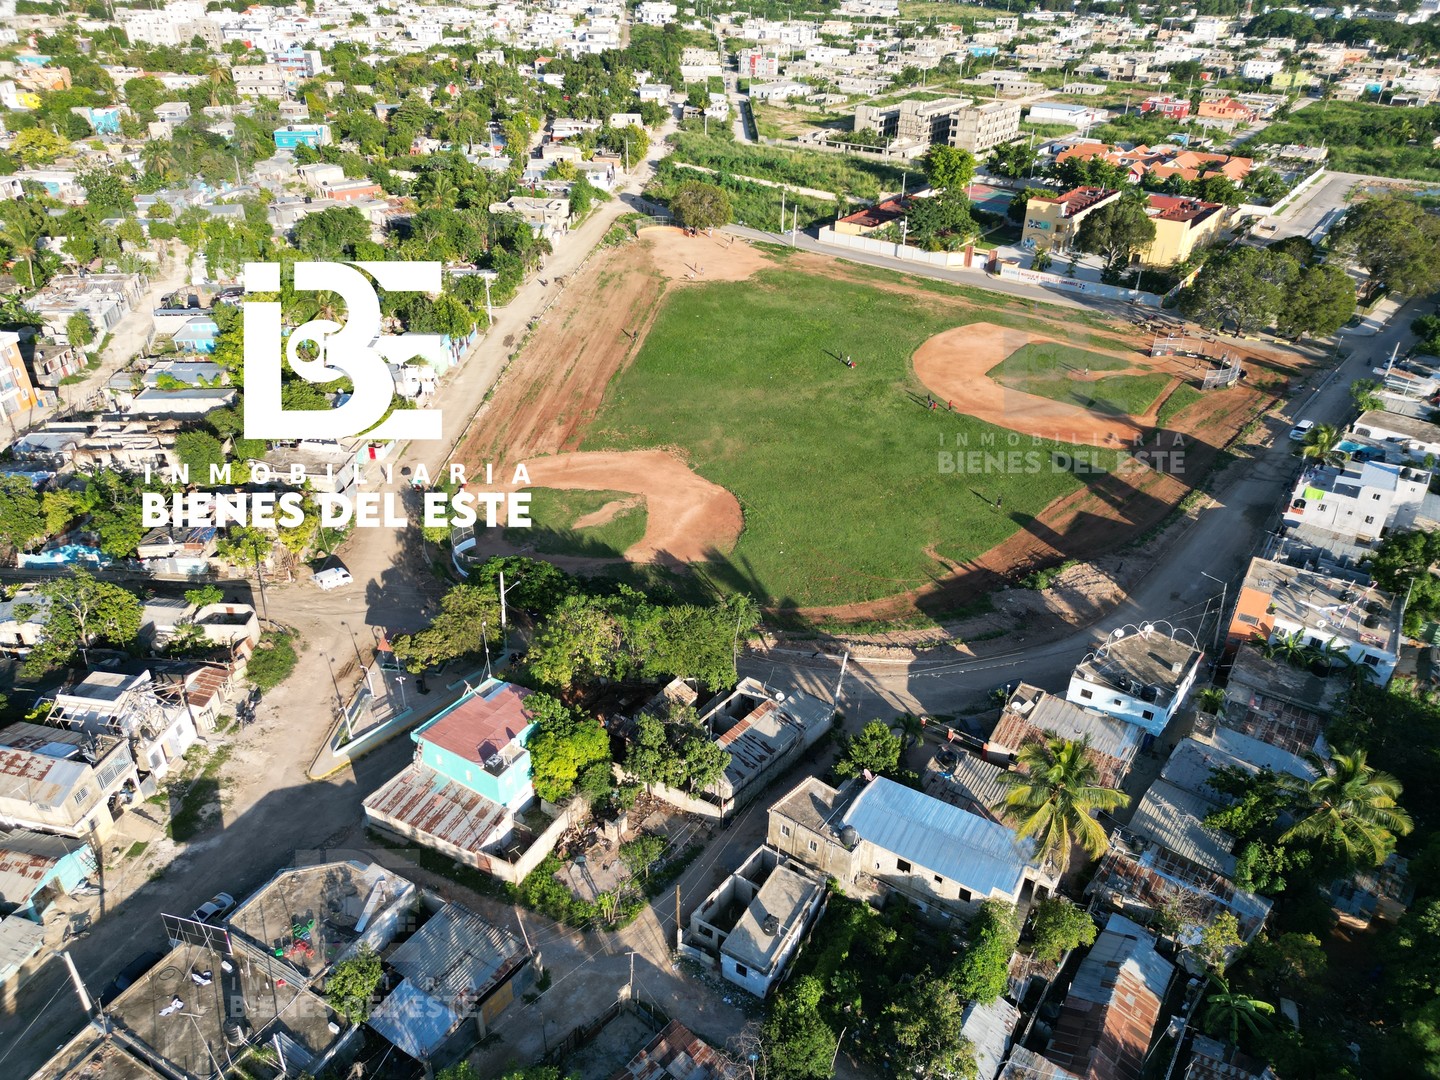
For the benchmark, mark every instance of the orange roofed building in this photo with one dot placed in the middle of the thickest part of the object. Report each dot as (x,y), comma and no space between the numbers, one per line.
(1163,161)
(1182,225)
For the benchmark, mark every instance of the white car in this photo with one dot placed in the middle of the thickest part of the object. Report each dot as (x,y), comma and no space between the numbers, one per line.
(1300,430)
(214,909)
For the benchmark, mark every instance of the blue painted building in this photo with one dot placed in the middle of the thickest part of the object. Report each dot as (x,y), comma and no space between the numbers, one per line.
(479,743)
(37,868)
(293,135)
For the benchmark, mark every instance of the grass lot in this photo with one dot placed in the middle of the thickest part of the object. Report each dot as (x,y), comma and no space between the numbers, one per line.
(554,513)
(1184,396)
(1363,137)
(836,469)
(924,9)
(1117,395)
(1048,370)
(1041,359)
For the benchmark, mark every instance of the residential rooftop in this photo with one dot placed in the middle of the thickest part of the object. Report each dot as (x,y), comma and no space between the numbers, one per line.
(1409,426)
(785,896)
(188,1039)
(338,901)
(1329,605)
(1173,818)
(481,724)
(984,856)
(1031,714)
(1110,1013)
(1150,665)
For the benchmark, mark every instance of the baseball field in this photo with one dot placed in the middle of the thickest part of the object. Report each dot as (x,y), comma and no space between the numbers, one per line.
(831,437)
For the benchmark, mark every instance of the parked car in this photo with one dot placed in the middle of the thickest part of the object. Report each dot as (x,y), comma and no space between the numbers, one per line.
(1300,430)
(129,975)
(214,909)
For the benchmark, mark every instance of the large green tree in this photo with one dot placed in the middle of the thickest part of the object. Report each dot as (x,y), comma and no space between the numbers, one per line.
(1058,926)
(949,170)
(983,973)
(468,613)
(698,205)
(1394,238)
(22,519)
(562,745)
(1052,795)
(578,641)
(81,611)
(1116,231)
(927,1025)
(799,1045)
(1320,302)
(1244,288)
(875,749)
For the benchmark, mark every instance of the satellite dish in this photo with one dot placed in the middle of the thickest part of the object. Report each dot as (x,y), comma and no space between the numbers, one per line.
(1148,628)
(1118,633)
(779,695)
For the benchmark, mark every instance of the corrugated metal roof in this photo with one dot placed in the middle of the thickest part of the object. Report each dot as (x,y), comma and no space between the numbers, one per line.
(1171,817)
(20,939)
(675,1054)
(1114,1001)
(28,860)
(457,957)
(1031,713)
(982,856)
(421,799)
(1027,1065)
(972,784)
(413,1021)
(481,724)
(989,1028)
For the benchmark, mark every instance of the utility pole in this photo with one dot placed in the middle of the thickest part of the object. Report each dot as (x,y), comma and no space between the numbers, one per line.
(80,990)
(485,637)
(1220,618)
(677,914)
(782,209)
(844,662)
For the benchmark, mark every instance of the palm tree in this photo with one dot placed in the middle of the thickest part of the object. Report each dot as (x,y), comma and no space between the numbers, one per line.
(21,234)
(911,730)
(1052,796)
(1211,700)
(1225,1012)
(1349,805)
(220,79)
(1291,648)
(1322,444)
(158,158)
(440,192)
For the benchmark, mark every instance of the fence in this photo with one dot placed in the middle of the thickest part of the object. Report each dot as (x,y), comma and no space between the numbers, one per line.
(946,260)
(1089,288)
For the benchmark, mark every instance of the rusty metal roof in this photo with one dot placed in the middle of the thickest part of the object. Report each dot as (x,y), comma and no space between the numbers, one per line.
(482,723)
(421,800)
(675,1054)
(28,860)
(1109,1015)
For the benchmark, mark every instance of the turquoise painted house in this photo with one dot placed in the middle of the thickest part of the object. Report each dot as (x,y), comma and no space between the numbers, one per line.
(479,743)
(36,869)
(311,135)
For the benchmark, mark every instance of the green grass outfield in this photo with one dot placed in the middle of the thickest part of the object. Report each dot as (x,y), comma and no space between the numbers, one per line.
(553,513)
(1049,369)
(837,469)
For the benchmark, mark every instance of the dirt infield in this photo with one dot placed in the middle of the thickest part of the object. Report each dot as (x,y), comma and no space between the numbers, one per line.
(688,519)
(953,366)
(554,386)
